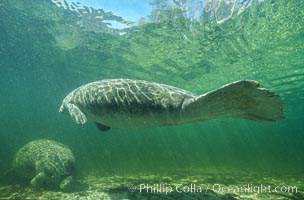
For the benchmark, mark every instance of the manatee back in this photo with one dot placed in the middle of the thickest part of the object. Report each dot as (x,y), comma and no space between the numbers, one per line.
(46,156)
(134,96)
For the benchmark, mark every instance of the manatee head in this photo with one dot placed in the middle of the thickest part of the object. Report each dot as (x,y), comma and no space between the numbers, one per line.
(69,107)
(65,103)
(62,109)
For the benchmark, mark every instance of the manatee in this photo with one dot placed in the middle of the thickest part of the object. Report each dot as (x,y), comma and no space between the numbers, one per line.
(126,103)
(45,163)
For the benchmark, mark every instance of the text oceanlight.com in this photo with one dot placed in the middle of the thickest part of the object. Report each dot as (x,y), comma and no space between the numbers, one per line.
(218,188)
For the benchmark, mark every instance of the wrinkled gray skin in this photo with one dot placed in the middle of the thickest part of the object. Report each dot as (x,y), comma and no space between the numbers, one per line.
(126,103)
(46,163)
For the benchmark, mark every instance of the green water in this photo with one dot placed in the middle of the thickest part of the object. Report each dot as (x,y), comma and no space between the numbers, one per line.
(45,53)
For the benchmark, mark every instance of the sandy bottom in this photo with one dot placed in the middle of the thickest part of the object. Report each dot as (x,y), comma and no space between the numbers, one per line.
(205,186)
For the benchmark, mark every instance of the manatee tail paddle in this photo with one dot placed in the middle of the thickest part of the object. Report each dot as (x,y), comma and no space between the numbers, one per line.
(240,99)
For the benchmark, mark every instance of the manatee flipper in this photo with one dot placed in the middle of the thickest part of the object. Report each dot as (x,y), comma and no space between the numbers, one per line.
(65,183)
(102,127)
(38,180)
(240,99)
(77,115)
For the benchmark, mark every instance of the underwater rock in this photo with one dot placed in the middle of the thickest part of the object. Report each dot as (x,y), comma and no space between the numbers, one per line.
(46,163)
